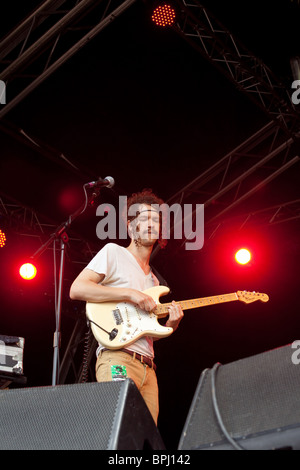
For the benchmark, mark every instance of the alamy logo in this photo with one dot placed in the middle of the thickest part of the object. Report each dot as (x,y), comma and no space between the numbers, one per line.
(2,92)
(188,222)
(296,354)
(296,94)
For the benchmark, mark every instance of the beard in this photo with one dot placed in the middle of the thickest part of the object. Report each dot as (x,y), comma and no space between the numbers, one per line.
(148,239)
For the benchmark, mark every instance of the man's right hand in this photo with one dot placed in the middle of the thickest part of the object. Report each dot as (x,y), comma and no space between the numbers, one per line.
(87,286)
(141,300)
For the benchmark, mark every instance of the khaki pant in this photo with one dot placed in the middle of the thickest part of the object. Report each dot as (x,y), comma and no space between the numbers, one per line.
(143,376)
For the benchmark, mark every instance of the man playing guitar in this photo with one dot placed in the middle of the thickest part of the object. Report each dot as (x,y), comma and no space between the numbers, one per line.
(117,274)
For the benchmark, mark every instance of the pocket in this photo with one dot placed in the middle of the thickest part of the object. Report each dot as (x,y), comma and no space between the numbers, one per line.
(103,371)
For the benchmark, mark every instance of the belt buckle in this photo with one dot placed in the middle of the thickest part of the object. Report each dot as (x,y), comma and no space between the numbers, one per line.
(149,362)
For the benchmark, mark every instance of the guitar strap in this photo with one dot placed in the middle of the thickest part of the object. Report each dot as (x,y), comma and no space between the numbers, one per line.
(160,278)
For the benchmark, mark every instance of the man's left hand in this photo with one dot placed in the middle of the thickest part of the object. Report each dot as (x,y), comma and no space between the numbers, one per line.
(175,315)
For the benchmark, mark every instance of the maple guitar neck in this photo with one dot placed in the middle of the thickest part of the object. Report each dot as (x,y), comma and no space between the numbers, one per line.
(162,309)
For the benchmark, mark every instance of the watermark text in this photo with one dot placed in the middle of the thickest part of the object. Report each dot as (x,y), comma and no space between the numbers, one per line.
(296,94)
(181,223)
(2,92)
(296,354)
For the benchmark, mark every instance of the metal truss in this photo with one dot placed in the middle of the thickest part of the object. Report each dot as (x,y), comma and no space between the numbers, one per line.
(263,156)
(268,216)
(273,215)
(237,176)
(20,218)
(29,54)
(20,34)
(33,142)
(24,221)
(249,74)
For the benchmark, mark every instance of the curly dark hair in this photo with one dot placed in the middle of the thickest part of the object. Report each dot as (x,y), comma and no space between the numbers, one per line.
(146,196)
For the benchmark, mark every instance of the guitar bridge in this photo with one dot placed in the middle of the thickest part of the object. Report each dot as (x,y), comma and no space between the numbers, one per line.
(117,316)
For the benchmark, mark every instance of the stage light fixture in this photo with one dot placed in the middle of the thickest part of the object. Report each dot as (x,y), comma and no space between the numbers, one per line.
(243,256)
(2,239)
(164,15)
(28,271)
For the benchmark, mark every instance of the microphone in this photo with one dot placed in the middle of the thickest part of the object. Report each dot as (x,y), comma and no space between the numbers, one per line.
(108,181)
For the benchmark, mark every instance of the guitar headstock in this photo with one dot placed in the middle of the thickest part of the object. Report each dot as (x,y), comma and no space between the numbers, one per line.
(248,297)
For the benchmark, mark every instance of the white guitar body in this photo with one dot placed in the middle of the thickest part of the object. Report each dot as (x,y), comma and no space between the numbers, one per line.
(123,323)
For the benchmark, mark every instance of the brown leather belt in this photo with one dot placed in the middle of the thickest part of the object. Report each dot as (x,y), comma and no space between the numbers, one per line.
(143,359)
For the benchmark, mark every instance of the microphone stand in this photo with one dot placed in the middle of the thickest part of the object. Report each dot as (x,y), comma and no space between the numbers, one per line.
(61,235)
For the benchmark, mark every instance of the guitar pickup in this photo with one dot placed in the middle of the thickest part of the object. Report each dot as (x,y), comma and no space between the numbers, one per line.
(117,316)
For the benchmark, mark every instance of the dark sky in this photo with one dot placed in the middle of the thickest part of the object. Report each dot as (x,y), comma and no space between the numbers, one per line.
(140,104)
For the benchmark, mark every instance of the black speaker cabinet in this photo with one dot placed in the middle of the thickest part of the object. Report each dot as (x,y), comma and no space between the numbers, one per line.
(251,404)
(91,416)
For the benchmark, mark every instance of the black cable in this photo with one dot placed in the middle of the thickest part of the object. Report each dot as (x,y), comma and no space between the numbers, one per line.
(112,334)
(217,411)
(86,352)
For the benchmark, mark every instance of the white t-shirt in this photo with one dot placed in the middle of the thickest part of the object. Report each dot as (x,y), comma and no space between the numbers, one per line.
(121,269)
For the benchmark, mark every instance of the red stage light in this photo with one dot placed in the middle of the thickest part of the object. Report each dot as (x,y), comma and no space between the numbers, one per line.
(2,239)
(27,271)
(164,15)
(243,256)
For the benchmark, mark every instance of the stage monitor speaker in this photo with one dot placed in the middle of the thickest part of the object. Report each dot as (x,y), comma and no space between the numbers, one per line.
(250,404)
(90,416)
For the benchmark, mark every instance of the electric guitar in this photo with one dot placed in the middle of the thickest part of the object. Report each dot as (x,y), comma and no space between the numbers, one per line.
(116,325)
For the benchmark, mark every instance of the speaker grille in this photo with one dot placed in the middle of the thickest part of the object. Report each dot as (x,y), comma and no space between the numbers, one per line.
(81,416)
(254,395)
